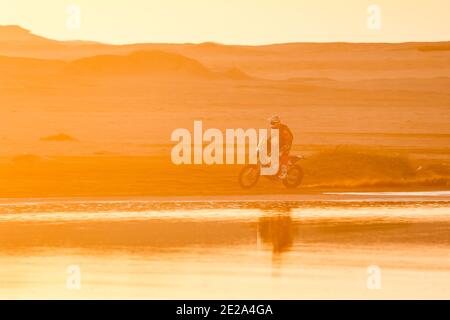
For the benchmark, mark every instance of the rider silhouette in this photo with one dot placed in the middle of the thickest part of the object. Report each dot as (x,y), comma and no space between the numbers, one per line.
(285,143)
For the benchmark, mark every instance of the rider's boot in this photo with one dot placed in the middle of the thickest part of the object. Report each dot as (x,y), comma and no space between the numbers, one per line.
(283,172)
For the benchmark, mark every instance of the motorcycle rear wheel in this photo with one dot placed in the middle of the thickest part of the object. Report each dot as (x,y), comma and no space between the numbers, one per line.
(249,176)
(294,177)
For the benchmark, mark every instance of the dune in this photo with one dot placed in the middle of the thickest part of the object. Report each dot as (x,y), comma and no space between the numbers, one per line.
(61,137)
(149,63)
(236,74)
(155,62)
(139,63)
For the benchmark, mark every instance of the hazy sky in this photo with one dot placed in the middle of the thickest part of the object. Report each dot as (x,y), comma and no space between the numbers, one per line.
(231,21)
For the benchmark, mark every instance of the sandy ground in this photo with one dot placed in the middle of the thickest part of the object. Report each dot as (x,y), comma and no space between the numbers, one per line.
(332,170)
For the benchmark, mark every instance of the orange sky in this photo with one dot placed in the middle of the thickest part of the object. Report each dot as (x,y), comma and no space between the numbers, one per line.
(233,21)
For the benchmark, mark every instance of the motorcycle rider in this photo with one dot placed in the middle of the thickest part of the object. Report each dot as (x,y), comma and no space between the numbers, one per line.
(285,143)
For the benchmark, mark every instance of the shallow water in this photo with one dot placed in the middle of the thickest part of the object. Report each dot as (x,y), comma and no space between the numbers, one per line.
(405,193)
(225,249)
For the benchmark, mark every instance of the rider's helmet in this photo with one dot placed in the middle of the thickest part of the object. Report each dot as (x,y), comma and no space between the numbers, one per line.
(275,121)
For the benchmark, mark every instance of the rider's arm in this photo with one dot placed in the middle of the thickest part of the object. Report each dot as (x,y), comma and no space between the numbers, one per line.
(290,136)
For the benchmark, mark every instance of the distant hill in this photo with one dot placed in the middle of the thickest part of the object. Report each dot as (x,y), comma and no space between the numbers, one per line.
(139,63)
(338,61)
(153,63)
(19,35)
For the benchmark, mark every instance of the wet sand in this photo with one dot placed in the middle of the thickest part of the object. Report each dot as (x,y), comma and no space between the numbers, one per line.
(301,247)
(311,196)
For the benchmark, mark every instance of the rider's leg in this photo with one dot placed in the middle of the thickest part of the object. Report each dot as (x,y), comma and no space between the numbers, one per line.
(284,159)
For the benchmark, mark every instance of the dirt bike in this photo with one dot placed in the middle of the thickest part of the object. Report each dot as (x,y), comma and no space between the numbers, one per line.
(250,174)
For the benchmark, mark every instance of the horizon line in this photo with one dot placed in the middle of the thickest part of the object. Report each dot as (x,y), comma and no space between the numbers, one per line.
(219,43)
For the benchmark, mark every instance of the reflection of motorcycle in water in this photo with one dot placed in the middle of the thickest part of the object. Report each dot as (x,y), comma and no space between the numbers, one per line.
(278,231)
(250,174)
